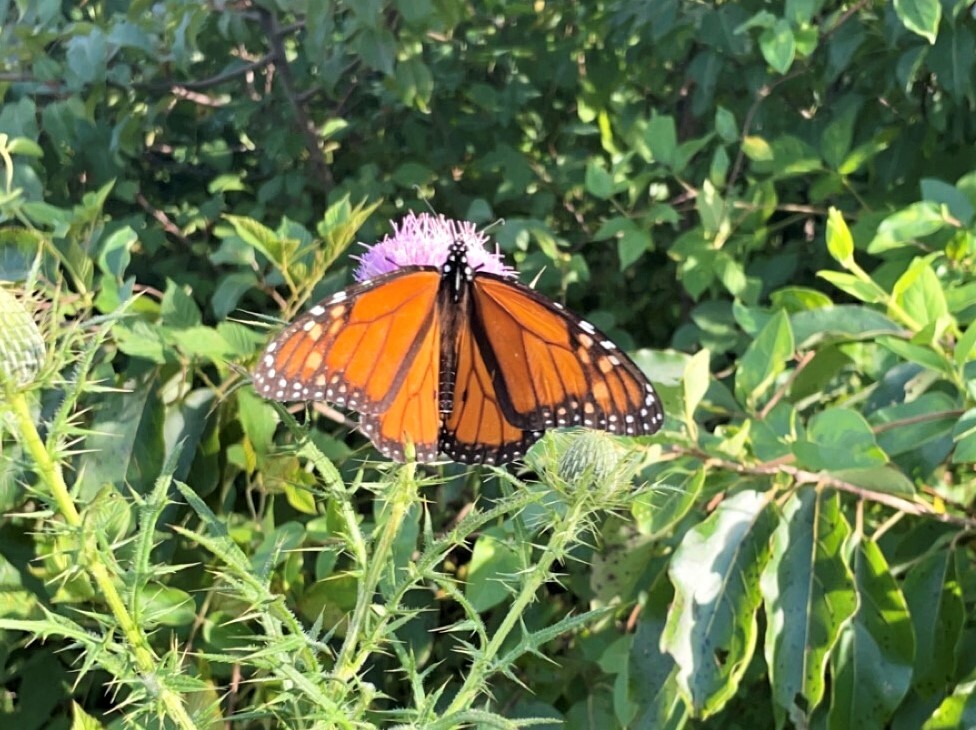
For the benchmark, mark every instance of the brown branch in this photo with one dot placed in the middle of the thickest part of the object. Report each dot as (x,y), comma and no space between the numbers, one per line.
(803,476)
(920,418)
(305,124)
(163,219)
(785,387)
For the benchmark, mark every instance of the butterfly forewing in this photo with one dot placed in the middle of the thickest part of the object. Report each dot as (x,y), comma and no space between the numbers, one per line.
(354,348)
(551,368)
(413,415)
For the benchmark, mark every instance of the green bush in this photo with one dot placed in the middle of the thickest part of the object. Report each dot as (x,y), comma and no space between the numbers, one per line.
(771,207)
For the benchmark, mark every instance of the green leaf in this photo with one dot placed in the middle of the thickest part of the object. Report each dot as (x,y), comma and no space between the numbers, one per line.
(652,671)
(838,438)
(919,292)
(166,606)
(871,666)
(840,243)
(261,238)
(695,379)
(711,627)
(492,571)
(905,227)
(598,182)
(116,252)
(904,427)
(764,359)
(964,435)
(726,125)
(841,323)
(662,139)
(920,16)
(258,418)
(126,440)
(938,613)
(809,595)
(778,46)
(757,149)
(632,245)
(866,291)
(924,356)
(661,506)
(964,346)
(178,308)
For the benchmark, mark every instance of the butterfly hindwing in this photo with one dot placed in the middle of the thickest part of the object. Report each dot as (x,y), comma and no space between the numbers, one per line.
(476,430)
(551,368)
(355,348)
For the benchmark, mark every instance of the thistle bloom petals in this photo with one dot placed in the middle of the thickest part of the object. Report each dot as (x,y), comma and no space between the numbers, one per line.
(424,240)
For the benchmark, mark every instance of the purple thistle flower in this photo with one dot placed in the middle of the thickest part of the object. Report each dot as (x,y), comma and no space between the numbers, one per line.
(424,240)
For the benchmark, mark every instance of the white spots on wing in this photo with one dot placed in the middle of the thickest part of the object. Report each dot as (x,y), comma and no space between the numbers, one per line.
(338,297)
(308,325)
(272,346)
(608,345)
(587,327)
(283,383)
(317,311)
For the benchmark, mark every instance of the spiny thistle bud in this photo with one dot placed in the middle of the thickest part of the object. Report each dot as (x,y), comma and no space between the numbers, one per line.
(593,459)
(21,344)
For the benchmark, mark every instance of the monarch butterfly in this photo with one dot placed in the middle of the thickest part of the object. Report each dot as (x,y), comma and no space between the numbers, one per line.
(440,346)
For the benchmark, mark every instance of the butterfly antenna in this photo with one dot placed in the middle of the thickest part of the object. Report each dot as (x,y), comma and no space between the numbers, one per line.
(494,224)
(423,197)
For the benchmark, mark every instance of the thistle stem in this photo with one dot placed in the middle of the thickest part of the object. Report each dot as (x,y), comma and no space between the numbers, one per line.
(51,474)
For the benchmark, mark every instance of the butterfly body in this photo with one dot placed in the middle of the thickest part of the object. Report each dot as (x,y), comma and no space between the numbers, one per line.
(453,359)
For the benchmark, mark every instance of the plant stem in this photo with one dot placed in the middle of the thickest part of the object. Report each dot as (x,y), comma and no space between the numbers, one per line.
(401,497)
(51,474)
(564,531)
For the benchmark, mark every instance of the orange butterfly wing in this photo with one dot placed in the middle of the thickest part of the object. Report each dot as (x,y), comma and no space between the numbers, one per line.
(413,414)
(551,368)
(477,430)
(357,347)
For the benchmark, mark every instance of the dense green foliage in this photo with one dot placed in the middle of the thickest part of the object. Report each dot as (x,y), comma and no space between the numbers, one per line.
(773,207)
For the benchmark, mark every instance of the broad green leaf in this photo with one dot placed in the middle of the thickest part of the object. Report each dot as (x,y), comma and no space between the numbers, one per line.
(632,245)
(711,209)
(866,291)
(178,309)
(919,354)
(957,712)
(871,666)
(838,438)
(598,182)
(757,149)
(964,434)
(920,16)
(261,238)
(492,571)
(81,720)
(919,292)
(618,570)
(116,252)
(695,380)
(885,478)
(662,139)
(905,227)
(165,606)
(652,670)
(725,125)
(711,627)
(126,440)
(965,346)
(844,322)
(661,506)
(809,594)
(778,46)
(840,243)
(904,427)
(935,601)
(764,359)
(959,205)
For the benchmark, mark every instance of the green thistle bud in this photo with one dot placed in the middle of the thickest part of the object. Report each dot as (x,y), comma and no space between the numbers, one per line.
(21,344)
